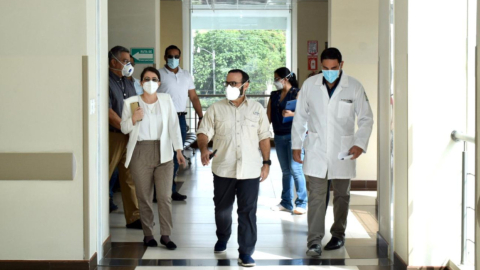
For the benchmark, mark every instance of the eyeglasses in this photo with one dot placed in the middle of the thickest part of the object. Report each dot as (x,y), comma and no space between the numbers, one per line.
(231,83)
(153,80)
(277,79)
(173,56)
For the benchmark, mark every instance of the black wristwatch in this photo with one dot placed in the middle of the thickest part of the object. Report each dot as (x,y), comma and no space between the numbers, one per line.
(268,162)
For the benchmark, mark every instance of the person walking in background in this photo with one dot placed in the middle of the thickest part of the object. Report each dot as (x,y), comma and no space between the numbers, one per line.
(287,90)
(179,85)
(120,88)
(153,130)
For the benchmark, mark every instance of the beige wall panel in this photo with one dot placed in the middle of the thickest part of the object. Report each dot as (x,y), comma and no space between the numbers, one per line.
(171,30)
(312,25)
(42,112)
(400,101)
(354,31)
(132,24)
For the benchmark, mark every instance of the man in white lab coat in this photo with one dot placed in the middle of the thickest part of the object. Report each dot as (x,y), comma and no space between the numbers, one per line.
(328,104)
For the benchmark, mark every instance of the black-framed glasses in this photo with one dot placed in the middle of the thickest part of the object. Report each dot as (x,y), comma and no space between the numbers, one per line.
(232,84)
(173,56)
(153,80)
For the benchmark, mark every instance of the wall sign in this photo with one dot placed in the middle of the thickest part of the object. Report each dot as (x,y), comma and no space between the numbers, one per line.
(312,63)
(143,55)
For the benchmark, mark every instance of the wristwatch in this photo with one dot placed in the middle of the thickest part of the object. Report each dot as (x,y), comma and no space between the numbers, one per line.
(268,162)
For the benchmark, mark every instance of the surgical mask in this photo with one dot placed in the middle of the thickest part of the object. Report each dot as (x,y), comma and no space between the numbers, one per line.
(127,69)
(173,63)
(233,93)
(150,87)
(330,75)
(278,84)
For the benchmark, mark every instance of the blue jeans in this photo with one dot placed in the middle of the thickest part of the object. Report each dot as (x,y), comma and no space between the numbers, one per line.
(183,130)
(292,172)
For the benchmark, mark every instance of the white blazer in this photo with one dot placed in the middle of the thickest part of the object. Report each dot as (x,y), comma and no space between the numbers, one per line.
(170,130)
(331,126)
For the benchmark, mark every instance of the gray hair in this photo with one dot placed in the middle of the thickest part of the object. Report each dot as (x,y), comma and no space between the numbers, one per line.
(116,51)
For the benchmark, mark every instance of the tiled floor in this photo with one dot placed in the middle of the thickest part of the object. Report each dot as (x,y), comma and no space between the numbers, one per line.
(281,235)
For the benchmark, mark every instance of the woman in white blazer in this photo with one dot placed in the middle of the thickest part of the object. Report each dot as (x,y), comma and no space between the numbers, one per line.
(153,128)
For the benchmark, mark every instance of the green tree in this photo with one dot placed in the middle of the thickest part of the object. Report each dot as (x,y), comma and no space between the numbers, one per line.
(257,52)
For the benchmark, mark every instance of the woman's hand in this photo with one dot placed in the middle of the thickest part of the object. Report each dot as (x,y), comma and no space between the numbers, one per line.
(137,115)
(181,159)
(287,113)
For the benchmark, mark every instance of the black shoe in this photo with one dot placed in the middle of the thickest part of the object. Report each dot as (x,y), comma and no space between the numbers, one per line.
(178,197)
(151,243)
(314,250)
(334,243)
(220,247)
(137,224)
(170,245)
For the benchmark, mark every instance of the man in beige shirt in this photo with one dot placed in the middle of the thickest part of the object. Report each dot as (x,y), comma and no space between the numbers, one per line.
(239,127)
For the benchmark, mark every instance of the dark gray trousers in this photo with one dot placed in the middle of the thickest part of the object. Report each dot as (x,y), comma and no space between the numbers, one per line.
(224,193)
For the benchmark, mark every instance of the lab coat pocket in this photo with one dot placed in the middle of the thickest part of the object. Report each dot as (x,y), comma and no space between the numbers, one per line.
(346,143)
(344,109)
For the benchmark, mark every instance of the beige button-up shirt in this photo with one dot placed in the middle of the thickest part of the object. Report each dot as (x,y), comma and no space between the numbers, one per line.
(236,134)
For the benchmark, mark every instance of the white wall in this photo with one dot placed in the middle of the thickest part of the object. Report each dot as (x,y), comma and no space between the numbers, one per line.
(384,121)
(429,103)
(42,112)
(433,112)
(353,29)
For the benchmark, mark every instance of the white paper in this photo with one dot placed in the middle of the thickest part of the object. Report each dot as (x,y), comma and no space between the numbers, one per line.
(344,156)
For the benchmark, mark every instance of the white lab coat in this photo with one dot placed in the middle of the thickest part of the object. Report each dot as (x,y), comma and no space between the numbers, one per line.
(331,126)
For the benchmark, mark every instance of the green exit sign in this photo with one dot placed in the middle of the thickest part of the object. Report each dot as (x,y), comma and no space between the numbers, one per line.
(143,55)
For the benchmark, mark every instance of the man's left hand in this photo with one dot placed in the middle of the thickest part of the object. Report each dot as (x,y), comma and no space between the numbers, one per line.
(199,121)
(264,173)
(355,151)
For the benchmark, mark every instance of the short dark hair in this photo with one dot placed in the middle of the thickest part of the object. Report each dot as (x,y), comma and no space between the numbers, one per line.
(284,72)
(133,60)
(116,51)
(172,47)
(245,77)
(331,53)
(151,69)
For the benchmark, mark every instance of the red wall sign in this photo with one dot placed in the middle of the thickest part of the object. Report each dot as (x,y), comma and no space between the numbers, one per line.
(312,63)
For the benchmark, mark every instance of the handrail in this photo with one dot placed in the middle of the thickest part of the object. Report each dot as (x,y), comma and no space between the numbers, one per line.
(457,136)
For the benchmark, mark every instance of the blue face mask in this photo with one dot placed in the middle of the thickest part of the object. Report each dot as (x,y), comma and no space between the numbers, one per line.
(173,63)
(330,75)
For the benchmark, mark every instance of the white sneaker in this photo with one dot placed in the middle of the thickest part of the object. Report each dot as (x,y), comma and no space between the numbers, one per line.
(279,207)
(299,211)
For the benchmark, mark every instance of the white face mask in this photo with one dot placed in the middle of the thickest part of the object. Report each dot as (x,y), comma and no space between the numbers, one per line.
(233,93)
(150,87)
(278,85)
(127,69)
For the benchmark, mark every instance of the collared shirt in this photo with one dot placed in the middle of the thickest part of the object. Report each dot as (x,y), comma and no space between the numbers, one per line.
(120,88)
(151,125)
(236,133)
(177,86)
(330,91)
(138,86)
